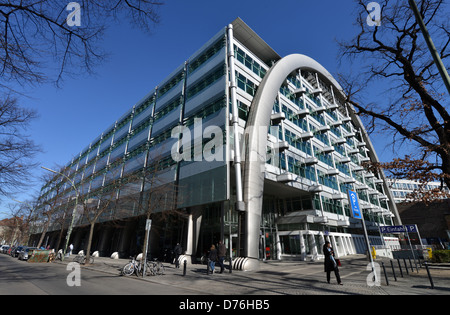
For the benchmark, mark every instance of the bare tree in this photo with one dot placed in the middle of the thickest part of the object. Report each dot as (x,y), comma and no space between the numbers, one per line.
(26,212)
(50,206)
(160,192)
(32,32)
(96,203)
(12,226)
(413,110)
(37,36)
(17,151)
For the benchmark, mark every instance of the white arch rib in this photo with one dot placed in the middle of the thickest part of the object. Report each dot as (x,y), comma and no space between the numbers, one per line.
(256,141)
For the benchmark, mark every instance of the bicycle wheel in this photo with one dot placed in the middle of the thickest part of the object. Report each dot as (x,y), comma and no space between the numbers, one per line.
(150,270)
(128,269)
(139,269)
(160,269)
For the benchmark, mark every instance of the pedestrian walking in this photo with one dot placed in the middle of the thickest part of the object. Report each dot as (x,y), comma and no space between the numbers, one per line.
(330,263)
(178,250)
(221,252)
(212,257)
(70,249)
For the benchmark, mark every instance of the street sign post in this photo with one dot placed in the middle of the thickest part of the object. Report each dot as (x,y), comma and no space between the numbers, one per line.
(407,228)
(357,214)
(148,226)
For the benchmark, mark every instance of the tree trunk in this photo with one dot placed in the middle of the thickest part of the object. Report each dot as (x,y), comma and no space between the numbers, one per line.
(146,240)
(59,239)
(88,250)
(44,231)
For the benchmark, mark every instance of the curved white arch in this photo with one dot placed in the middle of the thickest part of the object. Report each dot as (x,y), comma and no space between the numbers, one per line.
(256,139)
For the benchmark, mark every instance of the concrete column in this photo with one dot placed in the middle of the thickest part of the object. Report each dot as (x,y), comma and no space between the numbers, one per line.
(302,247)
(190,236)
(313,244)
(322,242)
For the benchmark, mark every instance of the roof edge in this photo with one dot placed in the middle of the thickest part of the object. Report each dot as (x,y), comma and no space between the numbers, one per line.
(246,36)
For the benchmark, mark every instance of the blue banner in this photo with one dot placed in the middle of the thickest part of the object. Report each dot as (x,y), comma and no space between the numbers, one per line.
(354,204)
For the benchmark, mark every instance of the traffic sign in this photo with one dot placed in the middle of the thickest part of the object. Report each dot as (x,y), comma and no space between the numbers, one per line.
(353,201)
(410,228)
(392,229)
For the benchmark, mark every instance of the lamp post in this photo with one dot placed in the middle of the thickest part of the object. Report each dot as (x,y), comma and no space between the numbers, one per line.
(434,53)
(69,231)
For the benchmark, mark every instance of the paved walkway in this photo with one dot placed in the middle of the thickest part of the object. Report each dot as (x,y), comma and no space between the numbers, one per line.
(294,278)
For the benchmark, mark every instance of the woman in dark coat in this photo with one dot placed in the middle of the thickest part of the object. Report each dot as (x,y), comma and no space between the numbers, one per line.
(330,263)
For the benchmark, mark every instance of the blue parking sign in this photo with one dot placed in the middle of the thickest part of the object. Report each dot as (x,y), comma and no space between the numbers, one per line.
(354,204)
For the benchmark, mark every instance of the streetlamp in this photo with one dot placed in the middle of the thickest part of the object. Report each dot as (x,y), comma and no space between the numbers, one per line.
(74,209)
(434,53)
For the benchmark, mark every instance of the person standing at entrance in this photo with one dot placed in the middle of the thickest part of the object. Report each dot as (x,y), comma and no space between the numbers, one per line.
(221,251)
(212,258)
(330,263)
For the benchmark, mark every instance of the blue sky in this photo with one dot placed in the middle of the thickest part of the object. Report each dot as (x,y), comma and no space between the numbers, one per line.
(72,116)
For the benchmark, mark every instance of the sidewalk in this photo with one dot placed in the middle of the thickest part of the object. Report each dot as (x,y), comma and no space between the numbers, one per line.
(292,278)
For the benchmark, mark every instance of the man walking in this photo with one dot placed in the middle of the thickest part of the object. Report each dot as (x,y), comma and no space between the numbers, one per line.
(222,251)
(177,251)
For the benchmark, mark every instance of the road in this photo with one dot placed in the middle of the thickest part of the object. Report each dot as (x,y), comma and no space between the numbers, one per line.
(23,278)
(273,278)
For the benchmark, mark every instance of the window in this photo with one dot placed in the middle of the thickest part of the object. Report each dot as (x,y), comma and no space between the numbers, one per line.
(245,84)
(332,206)
(325,158)
(207,81)
(210,52)
(169,85)
(327,180)
(289,113)
(168,108)
(249,62)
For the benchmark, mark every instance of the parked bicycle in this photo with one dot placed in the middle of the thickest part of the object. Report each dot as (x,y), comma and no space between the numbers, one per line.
(81,259)
(137,267)
(156,267)
(133,266)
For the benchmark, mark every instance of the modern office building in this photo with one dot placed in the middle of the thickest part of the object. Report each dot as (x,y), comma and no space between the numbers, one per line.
(256,149)
(403,188)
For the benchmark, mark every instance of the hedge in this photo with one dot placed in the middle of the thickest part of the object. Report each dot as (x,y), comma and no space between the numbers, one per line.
(441,256)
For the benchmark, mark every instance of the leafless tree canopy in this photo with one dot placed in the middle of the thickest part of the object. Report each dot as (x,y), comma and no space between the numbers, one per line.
(414,109)
(16,149)
(34,31)
(38,44)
